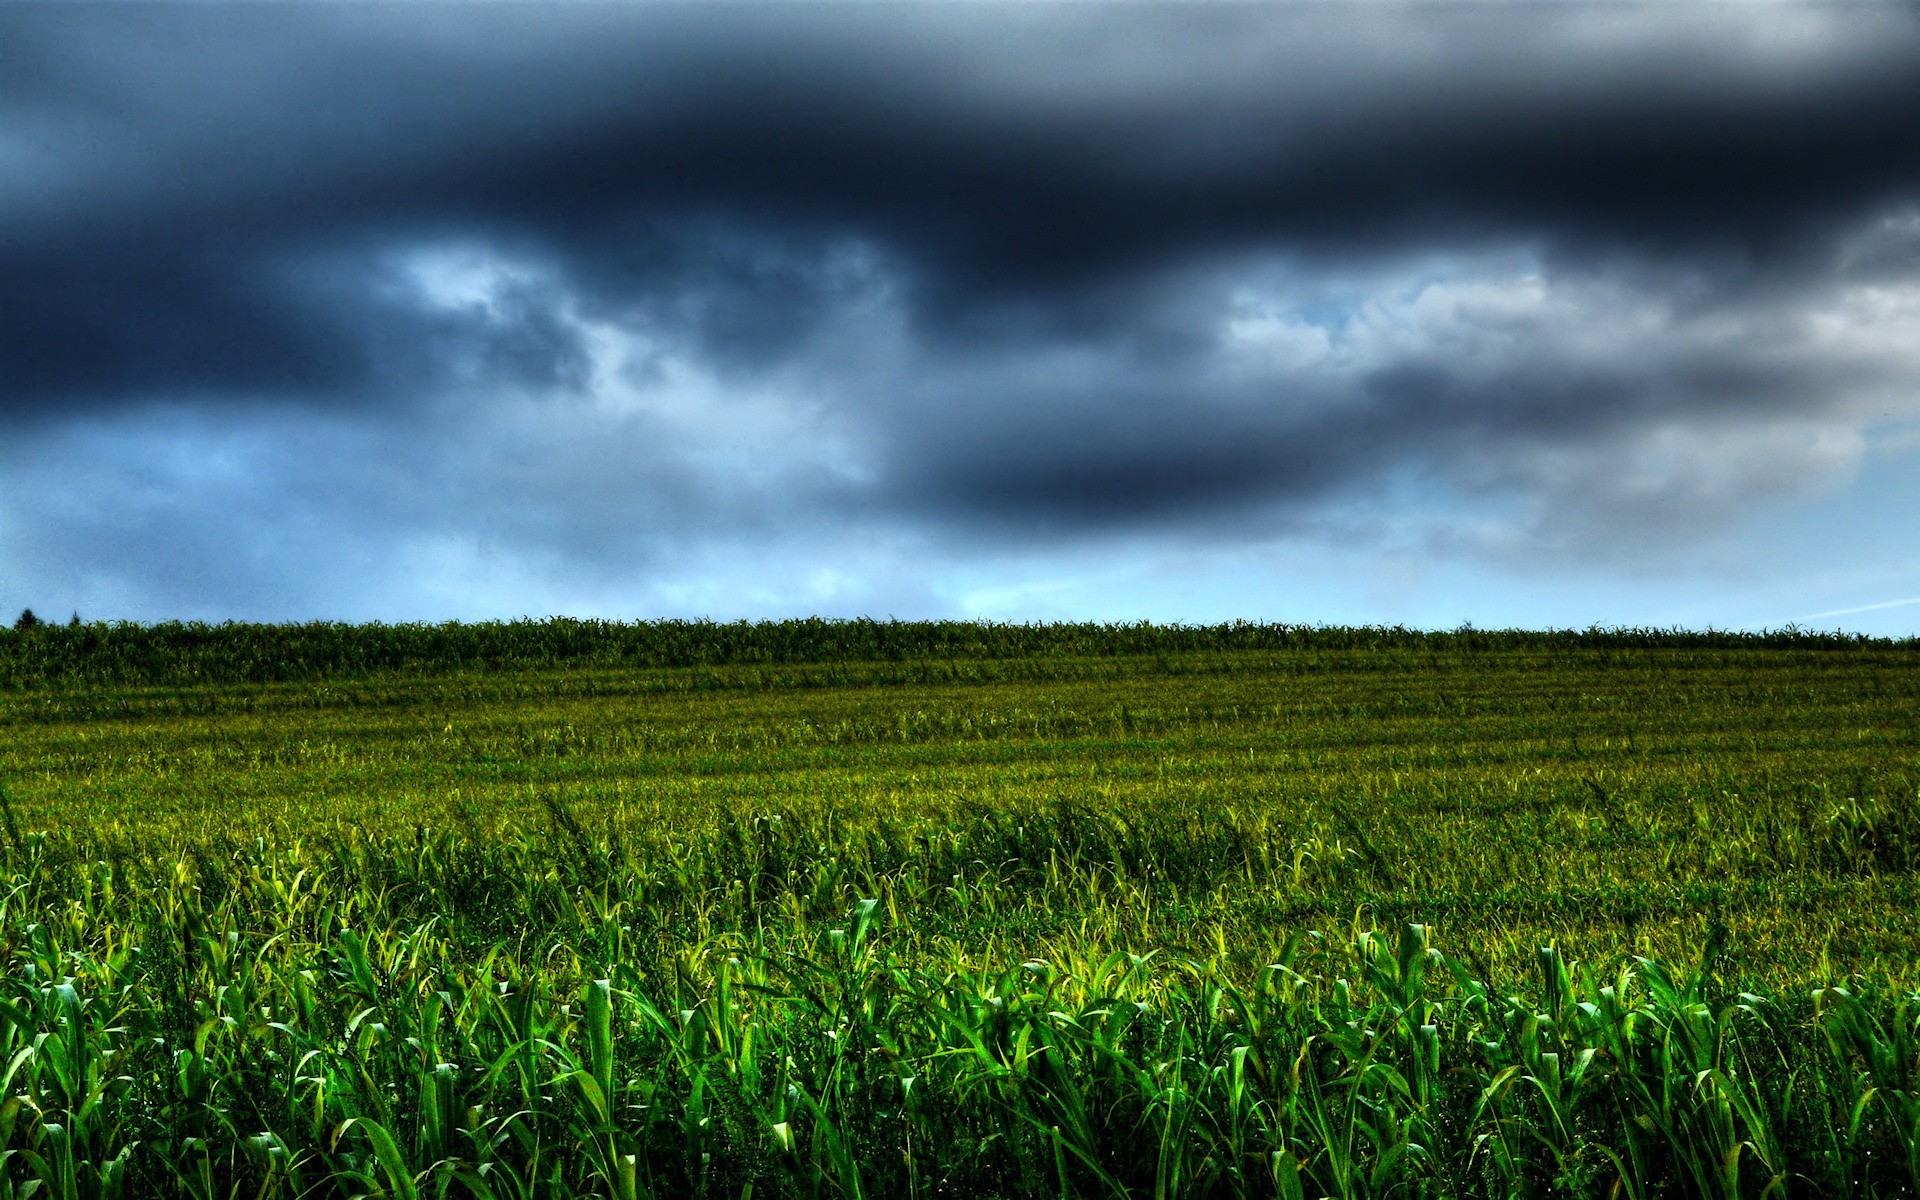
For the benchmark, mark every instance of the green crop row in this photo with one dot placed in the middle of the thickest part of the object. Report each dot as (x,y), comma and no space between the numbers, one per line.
(578,1019)
(127,653)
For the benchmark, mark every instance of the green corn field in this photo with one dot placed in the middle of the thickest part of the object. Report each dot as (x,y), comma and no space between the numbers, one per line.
(892,910)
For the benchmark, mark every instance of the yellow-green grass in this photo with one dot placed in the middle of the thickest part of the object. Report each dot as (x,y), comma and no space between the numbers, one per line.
(1615,801)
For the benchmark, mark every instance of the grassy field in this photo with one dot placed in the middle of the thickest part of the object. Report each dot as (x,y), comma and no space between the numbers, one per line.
(554,909)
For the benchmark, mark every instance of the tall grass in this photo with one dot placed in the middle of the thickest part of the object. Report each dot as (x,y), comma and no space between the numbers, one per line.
(128,653)
(574,1020)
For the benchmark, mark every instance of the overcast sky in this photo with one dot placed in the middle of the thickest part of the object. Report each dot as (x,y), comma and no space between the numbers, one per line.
(1515,314)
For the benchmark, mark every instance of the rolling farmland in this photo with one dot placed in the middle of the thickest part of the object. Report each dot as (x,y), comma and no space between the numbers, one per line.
(561,908)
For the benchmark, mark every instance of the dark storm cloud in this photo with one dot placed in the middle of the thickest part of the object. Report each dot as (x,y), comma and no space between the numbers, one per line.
(207,205)
(1067,458)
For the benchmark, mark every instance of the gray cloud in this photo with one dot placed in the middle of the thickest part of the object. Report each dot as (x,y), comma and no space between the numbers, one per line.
(612,289)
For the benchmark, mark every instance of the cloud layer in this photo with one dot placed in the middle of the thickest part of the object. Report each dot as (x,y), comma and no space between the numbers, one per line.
(790,308)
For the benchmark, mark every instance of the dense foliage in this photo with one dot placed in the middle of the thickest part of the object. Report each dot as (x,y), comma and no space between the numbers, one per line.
(39,653)
(1443,915)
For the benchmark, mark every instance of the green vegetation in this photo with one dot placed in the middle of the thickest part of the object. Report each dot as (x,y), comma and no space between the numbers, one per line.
(858,909)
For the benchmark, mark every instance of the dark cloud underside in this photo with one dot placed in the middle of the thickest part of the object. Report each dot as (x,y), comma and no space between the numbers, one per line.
(933,135)
(1009,270)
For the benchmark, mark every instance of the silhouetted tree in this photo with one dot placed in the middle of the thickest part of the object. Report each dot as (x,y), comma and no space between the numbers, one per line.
(26,620)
